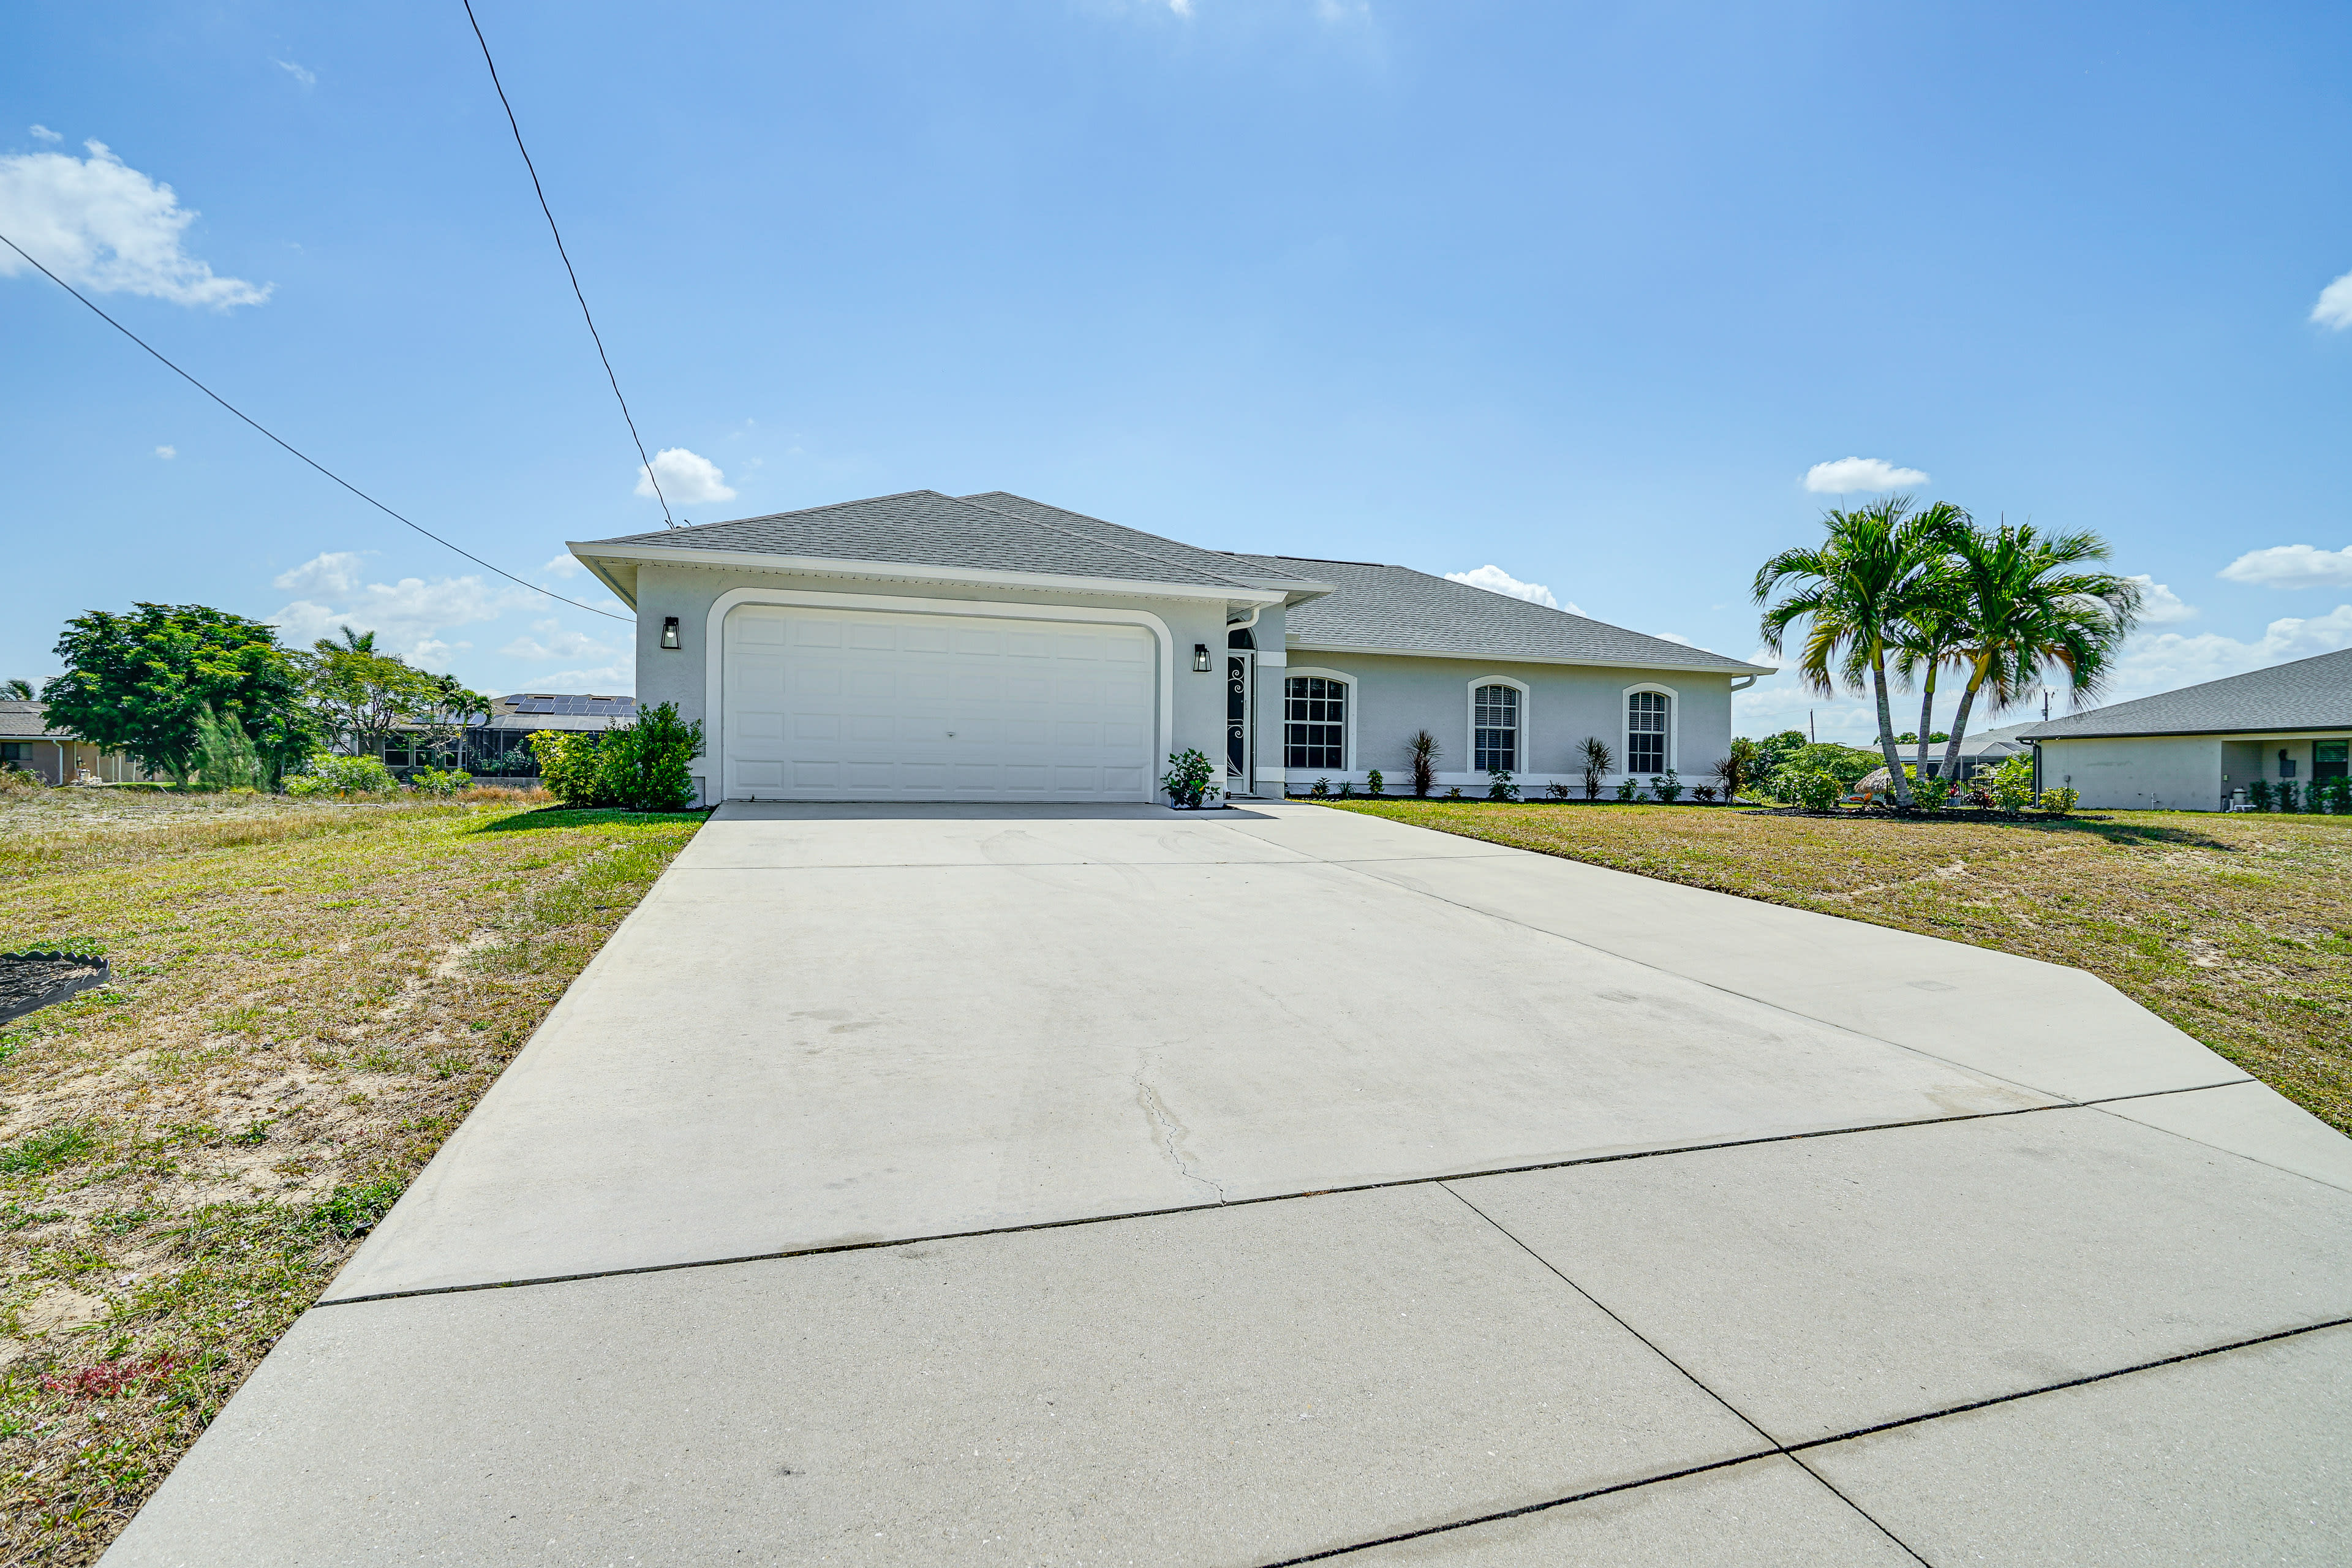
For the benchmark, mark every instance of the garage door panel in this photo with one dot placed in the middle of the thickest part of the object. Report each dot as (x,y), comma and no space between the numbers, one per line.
(824,704)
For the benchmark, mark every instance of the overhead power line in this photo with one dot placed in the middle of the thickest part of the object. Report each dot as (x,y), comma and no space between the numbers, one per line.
(651,478)
(289,447)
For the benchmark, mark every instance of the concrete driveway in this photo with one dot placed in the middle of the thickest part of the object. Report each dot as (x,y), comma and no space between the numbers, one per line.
(1071,1185)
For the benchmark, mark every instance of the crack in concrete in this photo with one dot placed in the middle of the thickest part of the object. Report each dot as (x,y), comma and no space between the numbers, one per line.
(1168,1129)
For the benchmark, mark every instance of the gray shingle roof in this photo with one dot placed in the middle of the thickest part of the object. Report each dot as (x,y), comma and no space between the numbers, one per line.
(1395,607)
(23,720)
(2309,694)
(1152,544)
(925,527)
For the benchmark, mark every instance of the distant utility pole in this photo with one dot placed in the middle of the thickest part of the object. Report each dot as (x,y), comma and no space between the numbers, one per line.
(1811,733)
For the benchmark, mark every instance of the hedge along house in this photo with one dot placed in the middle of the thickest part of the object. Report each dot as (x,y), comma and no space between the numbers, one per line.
(2198,748)
(988,647)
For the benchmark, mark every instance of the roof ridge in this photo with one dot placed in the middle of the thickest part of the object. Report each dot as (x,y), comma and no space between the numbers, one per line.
(1092,539)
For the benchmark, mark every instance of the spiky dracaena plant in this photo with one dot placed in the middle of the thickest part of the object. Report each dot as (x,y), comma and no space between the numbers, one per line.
(1878,564)
(2025,607)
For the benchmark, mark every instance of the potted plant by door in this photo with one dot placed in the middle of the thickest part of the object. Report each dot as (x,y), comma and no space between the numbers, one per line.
(1190,780)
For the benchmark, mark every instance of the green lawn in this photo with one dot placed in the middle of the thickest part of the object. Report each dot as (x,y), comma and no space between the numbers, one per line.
(306,999)
(2236,928)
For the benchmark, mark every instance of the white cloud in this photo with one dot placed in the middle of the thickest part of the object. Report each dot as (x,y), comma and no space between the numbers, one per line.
(336,572)
(555,642)
(2293,566)
(407,615)
(2160,606)
(1848,475)
(566,565)
(2164,661)
(2334,309)
(44,133)
(302,74)
(612,680)
(98,222)
(167,452)
(684,478)
(1495,580)
(1181,7)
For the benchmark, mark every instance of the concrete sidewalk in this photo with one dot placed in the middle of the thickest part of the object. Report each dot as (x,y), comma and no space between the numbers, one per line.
(1035,1184)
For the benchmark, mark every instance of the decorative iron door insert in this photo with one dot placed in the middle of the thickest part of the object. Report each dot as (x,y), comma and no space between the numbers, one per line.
(1237,720)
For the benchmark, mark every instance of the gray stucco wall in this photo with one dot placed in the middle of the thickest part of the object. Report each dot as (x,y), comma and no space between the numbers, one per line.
(1198,712)
(2138,773)
(1562,704)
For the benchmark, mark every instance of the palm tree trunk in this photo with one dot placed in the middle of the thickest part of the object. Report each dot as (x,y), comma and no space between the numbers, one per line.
(1927,718)
(1960,716)
(1886,733)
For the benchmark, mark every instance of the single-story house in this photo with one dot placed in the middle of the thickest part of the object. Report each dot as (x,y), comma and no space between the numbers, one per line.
(510,724)
(1986,749)
(2193,748)
(28,742)
(989,647)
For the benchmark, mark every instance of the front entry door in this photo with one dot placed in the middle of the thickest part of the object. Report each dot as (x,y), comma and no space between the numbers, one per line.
(1238,720)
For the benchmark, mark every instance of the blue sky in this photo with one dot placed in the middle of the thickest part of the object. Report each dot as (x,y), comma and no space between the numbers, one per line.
(1581,293)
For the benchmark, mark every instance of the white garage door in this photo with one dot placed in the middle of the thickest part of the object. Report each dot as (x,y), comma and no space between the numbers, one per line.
(857,705)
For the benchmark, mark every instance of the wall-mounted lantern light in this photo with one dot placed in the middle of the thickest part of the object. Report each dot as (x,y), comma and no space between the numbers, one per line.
(1200,659)
(670,631)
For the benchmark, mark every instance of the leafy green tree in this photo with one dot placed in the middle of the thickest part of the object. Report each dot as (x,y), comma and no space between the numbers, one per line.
(363,698)
(2026,606)
(442,722)
(1773,750)
(1879,564)
(144,682)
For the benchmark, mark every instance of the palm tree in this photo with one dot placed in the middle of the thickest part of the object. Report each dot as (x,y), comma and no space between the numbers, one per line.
(1926,640)
(19,689)
(353,642)
(1879,564)
(2025,609)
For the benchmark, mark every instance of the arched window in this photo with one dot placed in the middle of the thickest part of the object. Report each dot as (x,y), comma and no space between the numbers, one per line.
(1495,729)
(1645,732)
(1314,722)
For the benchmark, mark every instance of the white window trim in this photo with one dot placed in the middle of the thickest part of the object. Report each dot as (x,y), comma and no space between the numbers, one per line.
(1348,726)
(1470,722)
(714,707)
(1625,728)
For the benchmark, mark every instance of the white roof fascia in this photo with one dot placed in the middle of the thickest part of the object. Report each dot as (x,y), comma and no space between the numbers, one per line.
(1477,657)
(2322,734)
(910,572)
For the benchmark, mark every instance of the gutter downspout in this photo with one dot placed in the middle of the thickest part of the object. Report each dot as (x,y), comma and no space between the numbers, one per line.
(1249,715)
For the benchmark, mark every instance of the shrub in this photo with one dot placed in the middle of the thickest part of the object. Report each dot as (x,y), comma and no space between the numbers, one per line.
(1931,794)
(1454,794)
(1499,785)
(1627,789)
(1425,764)
(2258,794)
(1321,789)
(568,766)
(1373,782)
(1667,787)
(1558,789)
(1811,788)
(2286,796)
(2012,786)
(1347,789)
(433,781)
(325,774)
(1704,793)
(2340,795)
(2060,801)
(1191,779)
(1598,760)
(14,778)
(224,756)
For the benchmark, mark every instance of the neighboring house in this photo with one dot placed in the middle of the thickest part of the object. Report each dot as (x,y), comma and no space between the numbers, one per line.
(27,741)
(511,723)
(1988,749)
(2193,748)
(923,647)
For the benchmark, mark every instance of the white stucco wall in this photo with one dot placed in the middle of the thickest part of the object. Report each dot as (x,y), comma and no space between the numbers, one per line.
(1561,704)
(1197,716)
(2171,773)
